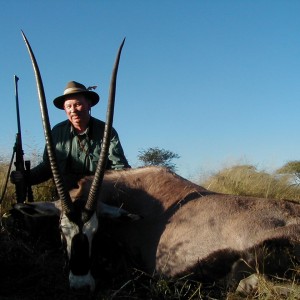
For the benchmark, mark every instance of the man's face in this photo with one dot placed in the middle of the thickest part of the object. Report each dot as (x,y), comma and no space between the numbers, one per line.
(77,108)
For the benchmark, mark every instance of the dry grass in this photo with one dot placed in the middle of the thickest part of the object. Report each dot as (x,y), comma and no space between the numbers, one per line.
(28,272)
(41,192)
(248,181)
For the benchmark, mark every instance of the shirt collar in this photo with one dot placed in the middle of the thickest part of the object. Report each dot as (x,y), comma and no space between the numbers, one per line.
(74,133)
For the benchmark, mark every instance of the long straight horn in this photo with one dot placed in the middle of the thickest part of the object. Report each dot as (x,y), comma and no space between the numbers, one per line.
(62,192)
(99,174)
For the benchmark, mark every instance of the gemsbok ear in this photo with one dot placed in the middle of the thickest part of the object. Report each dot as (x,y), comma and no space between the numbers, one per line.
(117,214)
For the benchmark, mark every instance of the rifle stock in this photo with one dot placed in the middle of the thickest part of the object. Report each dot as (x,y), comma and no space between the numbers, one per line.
(19,164)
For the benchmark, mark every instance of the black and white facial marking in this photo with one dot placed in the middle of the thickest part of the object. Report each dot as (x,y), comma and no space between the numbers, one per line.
(79,245)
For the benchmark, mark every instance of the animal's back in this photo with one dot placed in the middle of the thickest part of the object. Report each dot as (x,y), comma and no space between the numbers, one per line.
(215,227)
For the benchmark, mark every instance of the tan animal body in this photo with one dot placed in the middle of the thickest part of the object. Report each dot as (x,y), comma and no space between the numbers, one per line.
(186,229)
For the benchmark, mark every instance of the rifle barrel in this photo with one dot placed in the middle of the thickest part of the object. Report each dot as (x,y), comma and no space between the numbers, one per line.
(19,162)
(17,103)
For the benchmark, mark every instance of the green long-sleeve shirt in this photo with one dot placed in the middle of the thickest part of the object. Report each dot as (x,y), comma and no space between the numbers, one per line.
(78,155)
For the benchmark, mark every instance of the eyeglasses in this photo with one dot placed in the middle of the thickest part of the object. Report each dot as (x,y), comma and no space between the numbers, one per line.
(74,106)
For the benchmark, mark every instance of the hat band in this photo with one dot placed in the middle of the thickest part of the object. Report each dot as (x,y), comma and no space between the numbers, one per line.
(73,90)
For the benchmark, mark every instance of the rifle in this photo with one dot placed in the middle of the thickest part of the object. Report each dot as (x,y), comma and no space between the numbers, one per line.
(22,188)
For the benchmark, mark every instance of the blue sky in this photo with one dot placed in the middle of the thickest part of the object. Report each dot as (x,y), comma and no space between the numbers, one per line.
(216,82)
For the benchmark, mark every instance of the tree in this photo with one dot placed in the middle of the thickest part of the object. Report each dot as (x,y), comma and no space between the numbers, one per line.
(158,157)
(291,167)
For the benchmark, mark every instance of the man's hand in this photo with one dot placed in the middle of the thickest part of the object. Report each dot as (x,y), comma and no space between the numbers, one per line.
(16,177)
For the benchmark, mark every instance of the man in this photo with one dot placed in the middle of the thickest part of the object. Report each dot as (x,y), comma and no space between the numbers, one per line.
(77,140)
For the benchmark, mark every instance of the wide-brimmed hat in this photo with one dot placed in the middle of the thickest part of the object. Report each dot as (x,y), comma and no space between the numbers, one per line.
(74,87)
